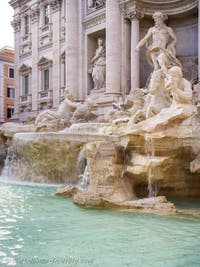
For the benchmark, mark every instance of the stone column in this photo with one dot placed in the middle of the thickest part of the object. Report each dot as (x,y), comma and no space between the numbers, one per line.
(35,57)
(125,56)
(16,23)
(135,16)
(72,46)
(55,17)
(113,47)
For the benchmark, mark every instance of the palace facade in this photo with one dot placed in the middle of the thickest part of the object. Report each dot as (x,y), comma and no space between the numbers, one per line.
(7,89)
(56,42)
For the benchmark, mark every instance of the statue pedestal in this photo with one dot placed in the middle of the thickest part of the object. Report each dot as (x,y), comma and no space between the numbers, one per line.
(104,102)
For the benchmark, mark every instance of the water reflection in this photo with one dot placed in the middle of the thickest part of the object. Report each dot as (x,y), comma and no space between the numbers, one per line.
(12,210)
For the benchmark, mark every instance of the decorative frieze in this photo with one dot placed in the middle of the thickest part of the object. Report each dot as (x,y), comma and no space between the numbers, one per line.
(95,21)
(167,7)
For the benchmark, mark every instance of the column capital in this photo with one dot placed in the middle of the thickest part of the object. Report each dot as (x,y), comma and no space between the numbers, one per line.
(134,15)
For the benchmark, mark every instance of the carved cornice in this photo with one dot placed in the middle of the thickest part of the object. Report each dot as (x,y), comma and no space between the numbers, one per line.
(89,23)
(34,14)
(24,9)
(16,24)
(169,7)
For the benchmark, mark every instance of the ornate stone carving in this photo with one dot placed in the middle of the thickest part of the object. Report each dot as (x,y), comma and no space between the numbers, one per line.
(95,21)
(34,14)
(160,53)
(44,63)
(49,120)
(25,69)
(93,5)
(134,15)
(98,66)
(169,95)
(173,7)
(16,24)
(55,5)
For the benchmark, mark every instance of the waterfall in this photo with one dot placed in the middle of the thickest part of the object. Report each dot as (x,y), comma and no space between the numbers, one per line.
(82,170)
(9,163)
(150,152)
(84,179)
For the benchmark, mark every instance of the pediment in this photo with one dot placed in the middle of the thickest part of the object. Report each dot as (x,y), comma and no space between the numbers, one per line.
(44,60)
(25,68)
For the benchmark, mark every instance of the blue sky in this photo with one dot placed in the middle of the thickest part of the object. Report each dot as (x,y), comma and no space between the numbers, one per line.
(6,30)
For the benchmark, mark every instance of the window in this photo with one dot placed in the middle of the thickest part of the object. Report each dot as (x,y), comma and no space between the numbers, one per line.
(10,92)
(11,73)
(26,24)
(46,79)
(26,84)
(10,111)
(46,14)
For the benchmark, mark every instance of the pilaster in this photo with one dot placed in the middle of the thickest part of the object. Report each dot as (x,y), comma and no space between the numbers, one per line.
(72,46)
(113,47)
(134,16)
(34,15)
(55,6)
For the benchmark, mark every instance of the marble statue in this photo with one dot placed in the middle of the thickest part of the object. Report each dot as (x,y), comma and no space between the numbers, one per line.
(83,112)
(161,42)
(179,88)
(56,120)
(94,4)
(158,97)
(98,66)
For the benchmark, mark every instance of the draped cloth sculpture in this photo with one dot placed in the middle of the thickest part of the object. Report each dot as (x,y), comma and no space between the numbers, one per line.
(169,95)
(161,42)
(98,66)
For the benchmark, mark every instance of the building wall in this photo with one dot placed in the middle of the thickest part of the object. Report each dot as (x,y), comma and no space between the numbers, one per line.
(6,63)
(70,39)
(8,82)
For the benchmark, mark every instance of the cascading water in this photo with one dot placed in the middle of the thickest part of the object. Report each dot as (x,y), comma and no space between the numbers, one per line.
(10,163)
(82,170)
(150,152)
(84,179)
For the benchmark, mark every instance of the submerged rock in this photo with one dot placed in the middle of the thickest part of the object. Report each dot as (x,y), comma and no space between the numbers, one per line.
(67,192)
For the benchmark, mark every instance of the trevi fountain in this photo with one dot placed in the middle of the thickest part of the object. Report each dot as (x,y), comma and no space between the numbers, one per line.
(133,173)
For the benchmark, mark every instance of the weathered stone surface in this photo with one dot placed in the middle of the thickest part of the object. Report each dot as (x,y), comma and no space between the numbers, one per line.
(44,158)
(10,128)
(158,205)
(107,182)
(67,192)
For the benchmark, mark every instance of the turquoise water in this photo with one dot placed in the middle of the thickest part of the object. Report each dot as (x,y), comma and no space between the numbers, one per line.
(39,229)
